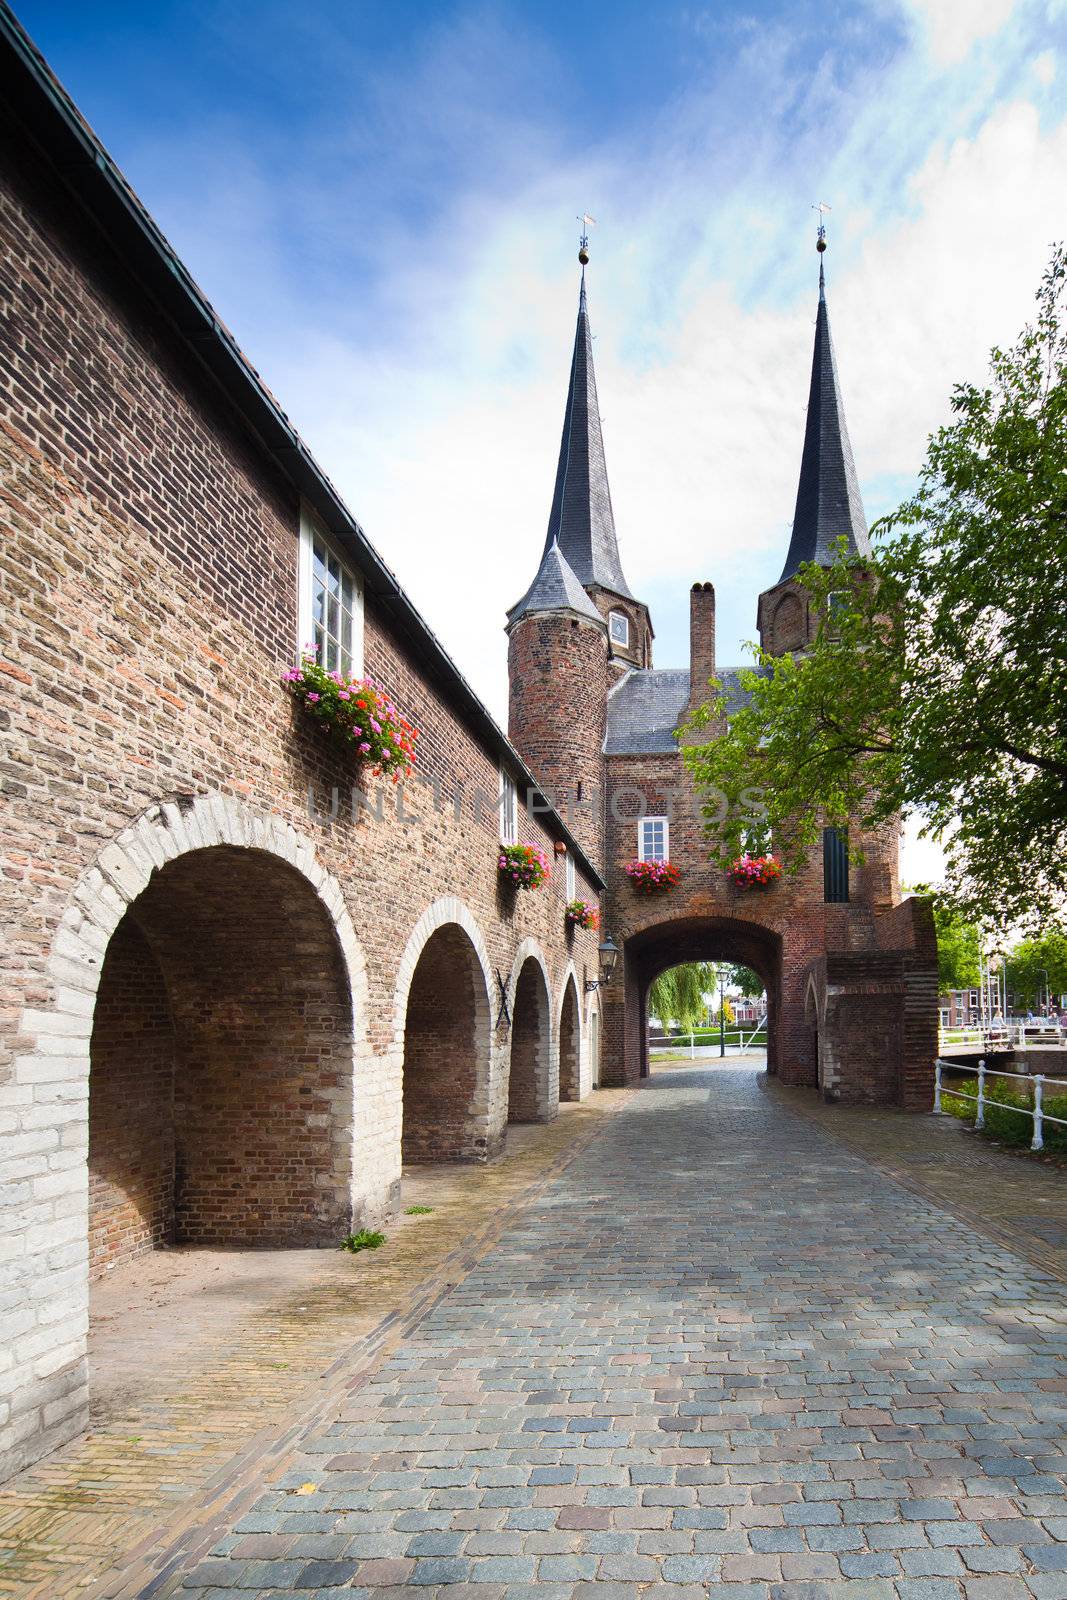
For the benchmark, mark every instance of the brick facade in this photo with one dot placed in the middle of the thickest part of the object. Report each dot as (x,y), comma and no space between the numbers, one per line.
(235,965)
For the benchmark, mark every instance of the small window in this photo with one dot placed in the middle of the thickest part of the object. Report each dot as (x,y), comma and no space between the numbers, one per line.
(653,839)
(330,603)
(619,628)
(572,884)
(835,866)
(509,819)
(837,607)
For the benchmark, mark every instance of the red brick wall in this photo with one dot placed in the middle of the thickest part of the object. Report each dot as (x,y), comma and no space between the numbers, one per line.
(558,680)
(131,1123)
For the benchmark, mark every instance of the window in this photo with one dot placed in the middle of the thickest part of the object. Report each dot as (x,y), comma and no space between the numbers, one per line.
(835,866)
(653,839)
(331,603)
(572,886)
(619,628)
(509,818)
(837,607)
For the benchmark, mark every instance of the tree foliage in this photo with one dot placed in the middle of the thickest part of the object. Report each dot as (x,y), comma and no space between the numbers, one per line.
(748,982)
(936,683)
(1038,967)
(959,945)
(677,995)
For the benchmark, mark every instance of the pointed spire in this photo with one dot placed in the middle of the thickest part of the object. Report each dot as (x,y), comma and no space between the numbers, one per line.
(555,588)
(582,522)
(829,506)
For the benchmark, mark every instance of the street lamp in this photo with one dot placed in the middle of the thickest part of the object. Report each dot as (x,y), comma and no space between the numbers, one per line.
(608,952)
(722,1012)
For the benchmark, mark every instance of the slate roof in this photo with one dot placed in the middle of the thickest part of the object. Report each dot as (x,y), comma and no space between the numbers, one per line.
(646,707)
(582,522)
(828,506)
(555,588)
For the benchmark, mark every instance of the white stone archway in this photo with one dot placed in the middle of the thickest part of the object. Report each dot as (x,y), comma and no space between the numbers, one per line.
(574,1082)
(449,919)
(47,1263)
(548,1098)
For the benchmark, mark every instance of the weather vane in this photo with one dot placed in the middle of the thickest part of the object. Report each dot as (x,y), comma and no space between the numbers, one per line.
(587,222)
(822,208)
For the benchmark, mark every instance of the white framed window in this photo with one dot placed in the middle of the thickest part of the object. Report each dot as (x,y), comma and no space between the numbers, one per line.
(571,879)
(330,602)
(653,839)
(619,628)
(509,809)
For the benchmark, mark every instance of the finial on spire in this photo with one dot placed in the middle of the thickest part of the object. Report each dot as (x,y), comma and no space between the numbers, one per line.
(587,222)
(820,243)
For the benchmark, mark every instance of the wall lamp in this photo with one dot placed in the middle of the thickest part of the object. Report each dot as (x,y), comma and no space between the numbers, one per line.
(608,952)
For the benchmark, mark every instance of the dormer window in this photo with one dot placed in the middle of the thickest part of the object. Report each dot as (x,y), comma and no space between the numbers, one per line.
(619,628)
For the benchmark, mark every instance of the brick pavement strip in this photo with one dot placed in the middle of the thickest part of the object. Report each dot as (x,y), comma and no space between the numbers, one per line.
(871,1394)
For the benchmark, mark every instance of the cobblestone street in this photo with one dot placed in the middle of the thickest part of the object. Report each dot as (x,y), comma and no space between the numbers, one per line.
(719,1349)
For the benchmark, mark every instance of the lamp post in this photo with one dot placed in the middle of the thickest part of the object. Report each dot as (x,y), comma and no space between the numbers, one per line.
(722,1012)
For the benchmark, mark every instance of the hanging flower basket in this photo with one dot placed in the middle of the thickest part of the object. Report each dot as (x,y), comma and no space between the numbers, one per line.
(652,877)
(523,866)
(754,872)
(580,915)
(358,714)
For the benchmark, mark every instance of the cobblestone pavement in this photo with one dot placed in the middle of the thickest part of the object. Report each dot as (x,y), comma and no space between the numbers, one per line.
(720,1354)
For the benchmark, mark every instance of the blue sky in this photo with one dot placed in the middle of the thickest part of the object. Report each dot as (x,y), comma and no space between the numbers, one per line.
(380,200)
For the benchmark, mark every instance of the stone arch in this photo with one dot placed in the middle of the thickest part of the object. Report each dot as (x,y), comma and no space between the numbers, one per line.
(443,1032)
(531,1095)
(569,1033)
(815,1021)
(141,865)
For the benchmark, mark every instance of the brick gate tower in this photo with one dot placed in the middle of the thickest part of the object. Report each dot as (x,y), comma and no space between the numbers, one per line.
(850,968)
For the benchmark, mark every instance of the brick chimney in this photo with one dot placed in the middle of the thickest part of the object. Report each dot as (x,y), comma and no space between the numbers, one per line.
(701,642)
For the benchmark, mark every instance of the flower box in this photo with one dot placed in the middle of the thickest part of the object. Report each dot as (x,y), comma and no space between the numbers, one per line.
(522,866)
(754,872)
(579,914)
(358,714)
(652,877)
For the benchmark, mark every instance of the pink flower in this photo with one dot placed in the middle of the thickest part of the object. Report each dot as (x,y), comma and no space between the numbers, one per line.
(344,695)
(364,747)
(358,732)
(313,697)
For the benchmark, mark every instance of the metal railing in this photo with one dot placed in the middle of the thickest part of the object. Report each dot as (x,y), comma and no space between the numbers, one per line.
(981,1100)
(1001,1036)
(670,1044)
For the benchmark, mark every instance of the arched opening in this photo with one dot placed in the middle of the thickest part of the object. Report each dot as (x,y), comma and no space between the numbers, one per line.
(528,1080)
(220,1084)
(811,1019)
(570,1084)
(692,940)
(446,1053)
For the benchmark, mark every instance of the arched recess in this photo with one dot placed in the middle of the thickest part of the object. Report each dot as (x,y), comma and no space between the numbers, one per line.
(570,1041)
(225,979)
(815,1020)
(530,1096)
(443,1027)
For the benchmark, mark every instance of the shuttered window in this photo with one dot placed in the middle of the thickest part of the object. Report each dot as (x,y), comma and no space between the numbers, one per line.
(834,866)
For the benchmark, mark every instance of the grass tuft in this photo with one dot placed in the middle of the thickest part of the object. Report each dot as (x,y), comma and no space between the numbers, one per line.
(365,1239)
(417,1211)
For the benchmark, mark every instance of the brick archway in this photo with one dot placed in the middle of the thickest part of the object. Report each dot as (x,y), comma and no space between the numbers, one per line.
(569,1031)
(531,1097)
(443,1032)
(59,1035)
(667,944)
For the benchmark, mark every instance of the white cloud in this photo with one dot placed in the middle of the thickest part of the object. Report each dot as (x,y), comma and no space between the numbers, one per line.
(953,27)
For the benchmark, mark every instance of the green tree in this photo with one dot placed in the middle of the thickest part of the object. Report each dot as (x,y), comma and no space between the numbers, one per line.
(1037,967)
(959,945)
(936,683)
(750,983)
(677,995)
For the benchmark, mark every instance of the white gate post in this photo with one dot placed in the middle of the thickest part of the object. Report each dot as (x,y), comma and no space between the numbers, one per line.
(979,1120)
(692,1046)
(1039,1138)
(937,1088)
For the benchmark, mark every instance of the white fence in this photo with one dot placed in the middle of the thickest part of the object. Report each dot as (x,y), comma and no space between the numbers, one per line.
(735,1039)
(981,1099)
(1001,1036)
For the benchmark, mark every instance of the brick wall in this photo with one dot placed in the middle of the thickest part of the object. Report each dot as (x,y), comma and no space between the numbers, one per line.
(131,1129)
(148,565)
(531,1030)
(569,1047)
